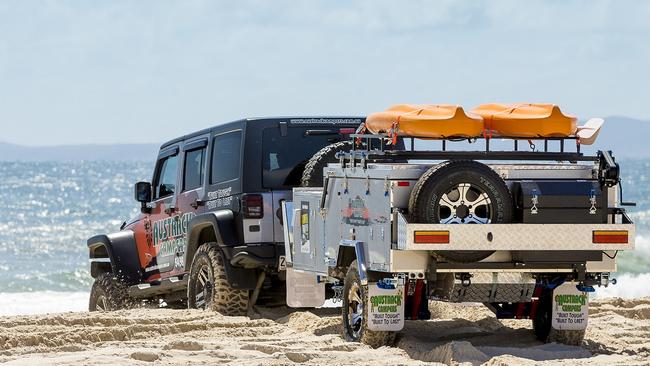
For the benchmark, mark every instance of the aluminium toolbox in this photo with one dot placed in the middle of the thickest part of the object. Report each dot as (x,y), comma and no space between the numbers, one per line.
(560,202)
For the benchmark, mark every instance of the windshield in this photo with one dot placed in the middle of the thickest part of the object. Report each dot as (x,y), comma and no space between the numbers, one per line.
(285,157)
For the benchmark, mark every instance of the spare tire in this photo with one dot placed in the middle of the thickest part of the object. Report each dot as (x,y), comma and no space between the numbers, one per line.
(312,176)
(461,192)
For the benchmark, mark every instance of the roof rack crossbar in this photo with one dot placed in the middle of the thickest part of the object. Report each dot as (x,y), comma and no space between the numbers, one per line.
(562,155)
(481,155)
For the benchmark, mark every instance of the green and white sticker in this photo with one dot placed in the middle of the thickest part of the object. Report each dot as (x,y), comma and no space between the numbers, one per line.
(570,307)
(385,308)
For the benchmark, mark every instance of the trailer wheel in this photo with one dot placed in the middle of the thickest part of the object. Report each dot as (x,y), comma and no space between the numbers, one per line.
(208,287)
(461,192)
(545,332)
(312,176)
(109,293)
(355,313)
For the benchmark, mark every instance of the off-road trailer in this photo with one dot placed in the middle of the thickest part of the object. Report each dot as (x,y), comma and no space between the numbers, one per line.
(384,236)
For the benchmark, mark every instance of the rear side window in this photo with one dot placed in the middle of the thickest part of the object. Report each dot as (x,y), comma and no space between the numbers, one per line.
(193,175)
(285,155)
(226,157)
(166,181)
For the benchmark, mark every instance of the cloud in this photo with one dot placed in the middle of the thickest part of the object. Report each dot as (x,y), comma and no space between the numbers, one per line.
(156,69)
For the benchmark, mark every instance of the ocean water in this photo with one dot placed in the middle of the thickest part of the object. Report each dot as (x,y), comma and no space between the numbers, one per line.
(49,209)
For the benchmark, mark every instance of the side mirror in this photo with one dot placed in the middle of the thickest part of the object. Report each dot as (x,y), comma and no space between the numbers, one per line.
(143,192)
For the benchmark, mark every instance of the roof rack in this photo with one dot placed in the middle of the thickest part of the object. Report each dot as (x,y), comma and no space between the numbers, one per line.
(561,154)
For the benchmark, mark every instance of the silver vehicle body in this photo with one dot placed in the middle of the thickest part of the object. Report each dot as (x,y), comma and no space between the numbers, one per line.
(367,205)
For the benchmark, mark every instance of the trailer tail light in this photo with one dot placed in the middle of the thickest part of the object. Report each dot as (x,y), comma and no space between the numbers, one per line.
(347,131)
(610,237)
(403,184)
(432,237)
(253,206)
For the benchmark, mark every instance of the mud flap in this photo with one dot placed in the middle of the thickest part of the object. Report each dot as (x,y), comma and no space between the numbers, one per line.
(304,290)
(385,306)
(570,307)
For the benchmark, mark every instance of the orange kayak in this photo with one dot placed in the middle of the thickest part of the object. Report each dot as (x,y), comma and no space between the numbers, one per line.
(526,120)
(426,121)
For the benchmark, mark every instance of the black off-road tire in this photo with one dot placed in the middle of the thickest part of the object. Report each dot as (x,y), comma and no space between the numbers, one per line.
(208,271)
(372,338)
(109,293)
(424,199)
(544,332)
(312,176)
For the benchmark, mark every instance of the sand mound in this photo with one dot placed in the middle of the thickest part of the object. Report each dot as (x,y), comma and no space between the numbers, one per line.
(466,334)
(633,309)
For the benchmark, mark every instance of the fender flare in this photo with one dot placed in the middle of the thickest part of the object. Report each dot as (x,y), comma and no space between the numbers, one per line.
(360,250)
(218,226)
(120,251)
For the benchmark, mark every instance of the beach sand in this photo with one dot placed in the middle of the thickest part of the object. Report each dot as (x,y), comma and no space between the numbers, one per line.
(468,334)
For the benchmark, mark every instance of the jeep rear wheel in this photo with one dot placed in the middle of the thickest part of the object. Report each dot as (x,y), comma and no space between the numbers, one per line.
(109,293)
(208,287)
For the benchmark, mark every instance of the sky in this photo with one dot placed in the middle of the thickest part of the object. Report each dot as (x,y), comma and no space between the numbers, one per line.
(80,72)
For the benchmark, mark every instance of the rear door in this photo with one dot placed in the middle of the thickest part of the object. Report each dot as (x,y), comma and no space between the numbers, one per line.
(224,176)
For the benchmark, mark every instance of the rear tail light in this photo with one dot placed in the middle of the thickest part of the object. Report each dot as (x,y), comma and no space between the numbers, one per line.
(253,206)
(403,184)
(610,237)
(431,237)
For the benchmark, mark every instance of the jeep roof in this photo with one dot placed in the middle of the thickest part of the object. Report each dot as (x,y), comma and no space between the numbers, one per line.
(261,122)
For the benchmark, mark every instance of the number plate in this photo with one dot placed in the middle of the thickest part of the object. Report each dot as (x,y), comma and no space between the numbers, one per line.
(570,307)
(385,308)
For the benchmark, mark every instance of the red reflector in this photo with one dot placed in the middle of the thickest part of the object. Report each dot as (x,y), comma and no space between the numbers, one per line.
(431,237)
(347,131)
(403,184)
(610,237)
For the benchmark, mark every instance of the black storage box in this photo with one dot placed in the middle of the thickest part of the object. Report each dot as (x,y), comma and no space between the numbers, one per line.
(560,202)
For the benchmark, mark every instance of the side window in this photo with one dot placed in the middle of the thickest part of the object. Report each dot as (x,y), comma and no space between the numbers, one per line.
(193,175)
(166,181)
(226,157)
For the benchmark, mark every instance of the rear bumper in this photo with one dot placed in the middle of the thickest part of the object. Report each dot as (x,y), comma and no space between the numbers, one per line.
(254,255)
(512,237)
(532,248)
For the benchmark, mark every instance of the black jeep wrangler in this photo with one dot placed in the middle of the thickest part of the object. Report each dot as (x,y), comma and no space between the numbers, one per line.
(210,231)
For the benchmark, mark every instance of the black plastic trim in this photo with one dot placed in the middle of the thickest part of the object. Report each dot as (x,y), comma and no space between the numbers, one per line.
(122,251)
(162,287)
(196,144)
(221,224)
(168,152)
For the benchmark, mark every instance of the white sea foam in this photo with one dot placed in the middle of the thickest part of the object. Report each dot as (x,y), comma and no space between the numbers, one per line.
(642,247)
(628,286)
(631,285)
(42,302)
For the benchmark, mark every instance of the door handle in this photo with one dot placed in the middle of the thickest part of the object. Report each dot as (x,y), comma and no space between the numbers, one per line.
(197,203)
(170,210)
